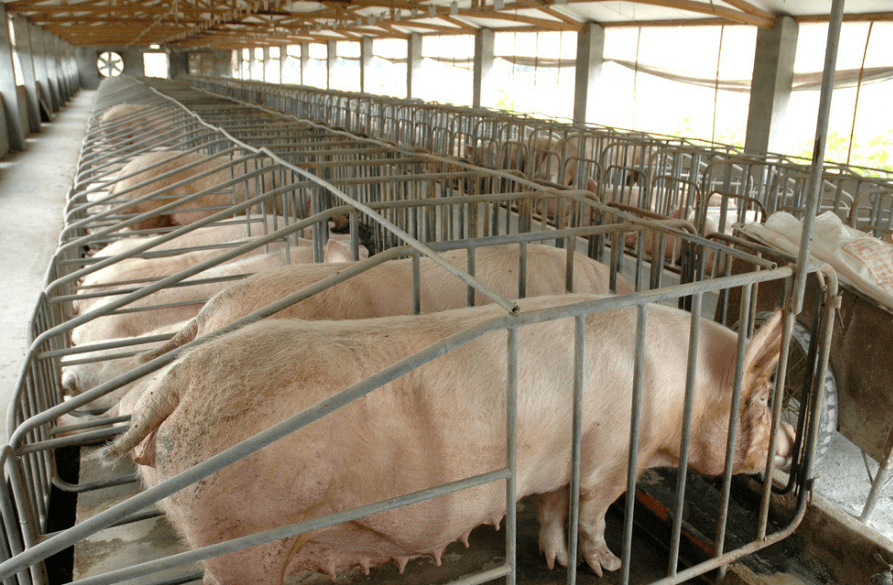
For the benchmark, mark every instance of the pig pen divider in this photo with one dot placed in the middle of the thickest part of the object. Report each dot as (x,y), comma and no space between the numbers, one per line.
(511,322)
(26,440)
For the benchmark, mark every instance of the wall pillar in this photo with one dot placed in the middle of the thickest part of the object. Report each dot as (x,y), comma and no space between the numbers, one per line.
(483,66)
(413,65)
(265,63)
(26,57)
(587,78)
(60,72)
(331,55)
(8,91)
(771,84)
(365,61)
(305,59)
(88,75)
(283,62)
(49,58)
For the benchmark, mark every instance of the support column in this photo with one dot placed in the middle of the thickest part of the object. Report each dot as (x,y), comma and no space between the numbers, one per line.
(40,66)
(60,73)
(483,66)
(26,58)
(331,55)
(265,63)
(413,65)
(590,58)
(365,61)
(49,57)
(65,60)
(305,59)
(770,89)
(283,63)
(8,91)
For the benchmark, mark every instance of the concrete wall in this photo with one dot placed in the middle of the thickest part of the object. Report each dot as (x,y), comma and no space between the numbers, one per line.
(87,71)
(178,64)
(89,74)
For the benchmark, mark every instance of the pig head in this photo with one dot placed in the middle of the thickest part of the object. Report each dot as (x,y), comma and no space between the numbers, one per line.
(441,422)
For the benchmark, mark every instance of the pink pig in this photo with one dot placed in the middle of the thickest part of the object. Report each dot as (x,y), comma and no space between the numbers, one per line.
(442,422)
(172,160)
(381,291)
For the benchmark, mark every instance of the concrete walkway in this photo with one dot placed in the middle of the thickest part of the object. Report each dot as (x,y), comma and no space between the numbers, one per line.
(33,187)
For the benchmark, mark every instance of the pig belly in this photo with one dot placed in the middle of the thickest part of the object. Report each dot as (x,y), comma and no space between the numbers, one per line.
(330,474)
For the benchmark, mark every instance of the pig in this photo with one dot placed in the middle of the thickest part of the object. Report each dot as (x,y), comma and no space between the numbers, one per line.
(188,300)
(441,422)
(189,212)
(128,269)
(128,123)
(77,378)
(383,290)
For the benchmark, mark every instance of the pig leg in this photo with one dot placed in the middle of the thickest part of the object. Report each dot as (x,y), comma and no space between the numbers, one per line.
(593,506)
(552,514)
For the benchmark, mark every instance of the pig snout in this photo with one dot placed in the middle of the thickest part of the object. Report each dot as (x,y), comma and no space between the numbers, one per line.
(784,445)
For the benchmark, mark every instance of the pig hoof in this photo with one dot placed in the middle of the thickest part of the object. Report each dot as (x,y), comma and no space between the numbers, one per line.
(553,545)
(601,558)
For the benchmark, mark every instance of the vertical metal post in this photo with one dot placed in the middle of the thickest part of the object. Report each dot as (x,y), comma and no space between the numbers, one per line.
(511,461)
(746,292)
(573,519)
(687,410)
(635,424)
(469,297)
(416,284)
(780,383)
(818,153)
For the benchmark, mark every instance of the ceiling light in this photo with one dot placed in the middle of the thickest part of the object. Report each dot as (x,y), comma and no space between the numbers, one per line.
(432,10)
(370,20)
(155,46)
(415,12)
(454,8)
(498,4)
(397,15)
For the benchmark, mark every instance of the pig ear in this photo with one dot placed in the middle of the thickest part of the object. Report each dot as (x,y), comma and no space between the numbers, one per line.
(337,252)
(592,186)
(763,350)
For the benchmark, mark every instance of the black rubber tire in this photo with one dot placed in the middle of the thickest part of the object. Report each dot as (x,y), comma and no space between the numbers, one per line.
(794,385)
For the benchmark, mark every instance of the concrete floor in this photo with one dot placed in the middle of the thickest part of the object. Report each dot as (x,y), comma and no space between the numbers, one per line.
(33,187)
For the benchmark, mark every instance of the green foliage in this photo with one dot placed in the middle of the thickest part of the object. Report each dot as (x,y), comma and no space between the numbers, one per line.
(875,154)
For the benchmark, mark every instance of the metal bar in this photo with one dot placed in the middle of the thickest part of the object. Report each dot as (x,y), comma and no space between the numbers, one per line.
(634,429)
(733,424)
(511,457)
(818,153)
(573,520)
(687,410)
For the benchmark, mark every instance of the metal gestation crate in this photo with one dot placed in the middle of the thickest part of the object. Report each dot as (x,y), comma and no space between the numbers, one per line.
(538,148)
(410,204)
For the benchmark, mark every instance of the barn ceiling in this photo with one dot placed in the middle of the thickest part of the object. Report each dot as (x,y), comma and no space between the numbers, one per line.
(229,24)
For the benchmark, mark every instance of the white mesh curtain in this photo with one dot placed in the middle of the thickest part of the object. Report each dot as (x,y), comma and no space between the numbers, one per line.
(534,72)
(448,69)
(388,68)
